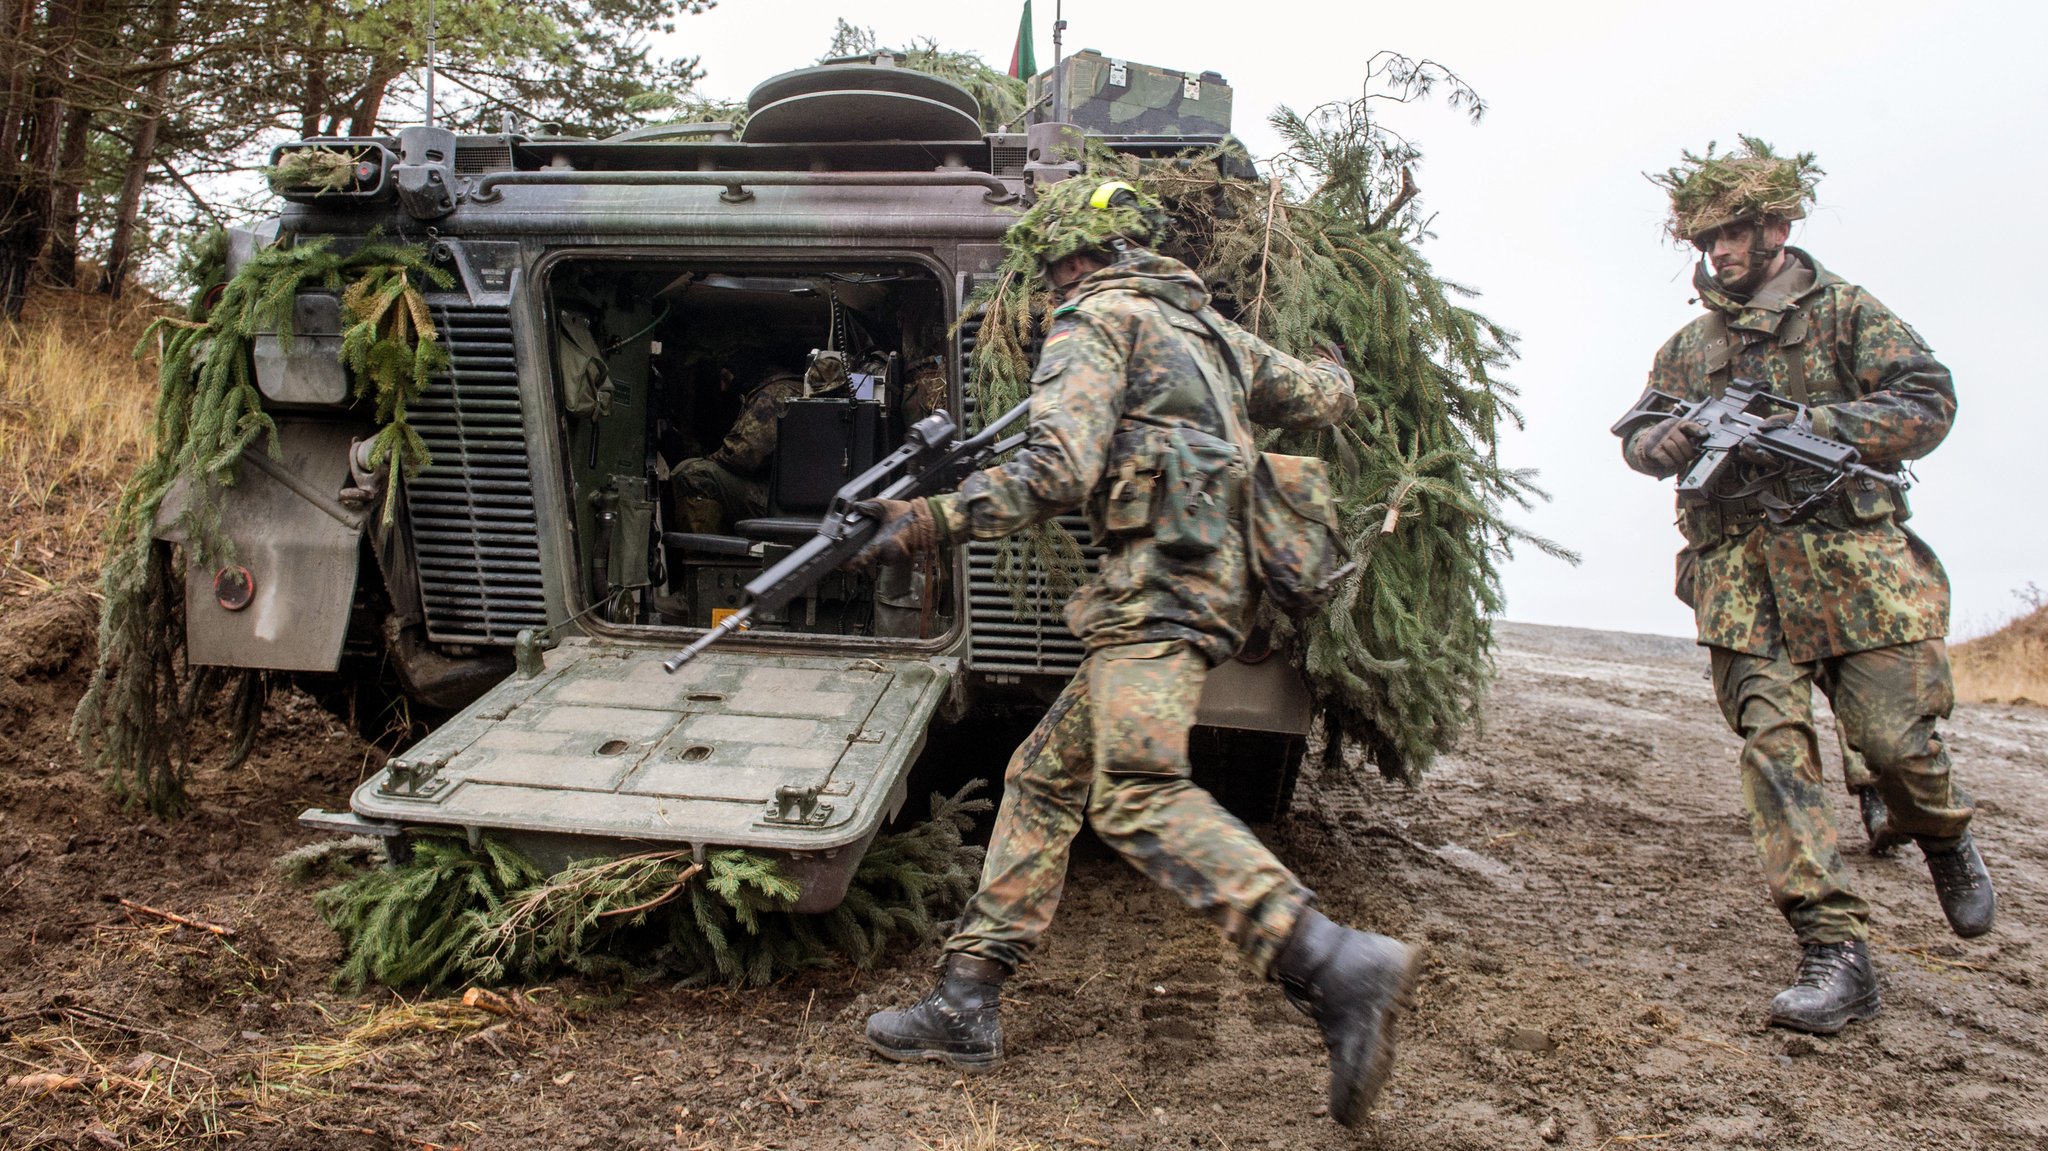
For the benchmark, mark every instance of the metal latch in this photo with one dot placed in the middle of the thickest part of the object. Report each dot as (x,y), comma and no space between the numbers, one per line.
(797,807)
(413,778)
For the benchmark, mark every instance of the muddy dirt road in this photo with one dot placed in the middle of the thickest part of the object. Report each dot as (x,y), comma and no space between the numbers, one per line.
(1601,953)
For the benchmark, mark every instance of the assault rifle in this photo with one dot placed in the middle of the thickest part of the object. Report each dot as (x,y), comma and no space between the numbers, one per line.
(930,461)
(1785,468)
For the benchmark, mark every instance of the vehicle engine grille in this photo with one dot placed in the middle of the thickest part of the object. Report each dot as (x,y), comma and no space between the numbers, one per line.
(472,507)
(1006,640)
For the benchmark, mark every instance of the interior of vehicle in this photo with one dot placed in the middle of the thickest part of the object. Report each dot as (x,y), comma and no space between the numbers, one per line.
(712,411)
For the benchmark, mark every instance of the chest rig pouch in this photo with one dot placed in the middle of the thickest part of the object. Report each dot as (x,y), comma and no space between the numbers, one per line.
(1856,503)
(1173,486)
(1170,481)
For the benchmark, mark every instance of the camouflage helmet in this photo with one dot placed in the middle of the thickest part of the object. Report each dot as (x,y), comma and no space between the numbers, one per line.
(1710,191)
(1084,213)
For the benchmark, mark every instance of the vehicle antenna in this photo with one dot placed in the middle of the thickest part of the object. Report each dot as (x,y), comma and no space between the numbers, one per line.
(430,63)
(1059,90)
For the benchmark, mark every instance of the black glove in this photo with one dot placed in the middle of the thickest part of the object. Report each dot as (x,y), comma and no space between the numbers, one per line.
(1794,418)
(908,530)
(1671,445)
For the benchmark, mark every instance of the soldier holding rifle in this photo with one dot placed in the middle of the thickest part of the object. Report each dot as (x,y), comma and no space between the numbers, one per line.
(1800,577)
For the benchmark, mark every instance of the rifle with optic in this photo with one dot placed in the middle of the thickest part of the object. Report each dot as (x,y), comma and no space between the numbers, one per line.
(1744,455)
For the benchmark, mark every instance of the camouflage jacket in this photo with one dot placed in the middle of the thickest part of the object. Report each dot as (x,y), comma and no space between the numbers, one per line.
(750,443)
(1852,578)
(1117,387)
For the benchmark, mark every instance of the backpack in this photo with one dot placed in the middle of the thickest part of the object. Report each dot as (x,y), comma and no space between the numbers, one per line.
(1292,535)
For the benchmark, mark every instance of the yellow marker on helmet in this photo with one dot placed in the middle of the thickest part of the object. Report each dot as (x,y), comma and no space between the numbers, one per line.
(1105,194)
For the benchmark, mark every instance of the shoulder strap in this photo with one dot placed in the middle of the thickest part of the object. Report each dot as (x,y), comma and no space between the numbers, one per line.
(1792,338)
(1720,345)
(1217,393)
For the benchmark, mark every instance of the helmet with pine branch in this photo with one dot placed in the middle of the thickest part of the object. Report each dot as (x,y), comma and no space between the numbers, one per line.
(1709,192)
(1084,214)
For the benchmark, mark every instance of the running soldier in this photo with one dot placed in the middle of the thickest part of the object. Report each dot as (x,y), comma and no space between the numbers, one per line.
(1120,381)
(1850,600)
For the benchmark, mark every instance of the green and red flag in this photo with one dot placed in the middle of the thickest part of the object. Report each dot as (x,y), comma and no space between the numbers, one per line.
(1024,61)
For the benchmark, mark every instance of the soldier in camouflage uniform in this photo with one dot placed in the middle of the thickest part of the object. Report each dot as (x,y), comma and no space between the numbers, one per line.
(731,484)
(1850,601)
(1120,384)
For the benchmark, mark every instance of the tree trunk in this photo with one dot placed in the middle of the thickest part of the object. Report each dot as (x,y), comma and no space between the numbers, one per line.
(23,193)
(313,86)
(370,102)
(149,110)
(60,258)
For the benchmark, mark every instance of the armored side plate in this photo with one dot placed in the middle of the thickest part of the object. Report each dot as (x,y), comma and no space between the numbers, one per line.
(603,750)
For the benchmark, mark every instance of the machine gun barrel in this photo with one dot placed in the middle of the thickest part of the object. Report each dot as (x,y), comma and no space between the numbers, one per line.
(929,461)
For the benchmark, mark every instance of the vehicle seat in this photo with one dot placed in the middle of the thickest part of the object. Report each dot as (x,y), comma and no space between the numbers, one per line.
(819,445)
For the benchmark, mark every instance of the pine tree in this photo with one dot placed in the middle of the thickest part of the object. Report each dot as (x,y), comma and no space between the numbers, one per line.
(456,914)
(1328,251)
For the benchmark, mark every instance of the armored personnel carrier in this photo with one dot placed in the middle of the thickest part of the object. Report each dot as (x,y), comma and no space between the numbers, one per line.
(611,304)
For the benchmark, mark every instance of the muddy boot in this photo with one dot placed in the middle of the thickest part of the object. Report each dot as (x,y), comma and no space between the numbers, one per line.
(956,1024)
(1877,822)
(1835,988)
(1962,884)
(1351,983)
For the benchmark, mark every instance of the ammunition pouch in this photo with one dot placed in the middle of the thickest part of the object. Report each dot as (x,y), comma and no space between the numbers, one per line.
(1197,484)
(1123,506)
(1706,525)
(1858,503)
(1174,485)
(1863,503)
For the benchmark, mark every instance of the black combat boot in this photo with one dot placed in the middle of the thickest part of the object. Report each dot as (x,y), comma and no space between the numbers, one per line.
(1835,988)
(1877,822)
(956,1024)
(1351,983)
(1962,884)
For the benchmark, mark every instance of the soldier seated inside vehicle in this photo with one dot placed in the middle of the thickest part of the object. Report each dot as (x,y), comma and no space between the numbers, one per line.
(713,492)
(711,413)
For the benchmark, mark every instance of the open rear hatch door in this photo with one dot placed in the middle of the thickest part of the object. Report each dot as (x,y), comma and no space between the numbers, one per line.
(603,751)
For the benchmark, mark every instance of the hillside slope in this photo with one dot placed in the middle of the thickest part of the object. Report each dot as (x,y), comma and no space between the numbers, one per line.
(1601,954)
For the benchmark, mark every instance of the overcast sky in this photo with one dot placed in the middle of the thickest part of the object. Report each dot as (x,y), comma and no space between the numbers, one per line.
(1927,117)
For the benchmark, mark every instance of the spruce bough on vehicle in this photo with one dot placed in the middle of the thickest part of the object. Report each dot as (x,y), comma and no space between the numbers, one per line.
(136,718)
(1400,659)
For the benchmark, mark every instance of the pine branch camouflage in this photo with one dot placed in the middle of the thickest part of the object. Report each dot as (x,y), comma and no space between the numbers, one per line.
(1399,661)
(135,720)
(455,915)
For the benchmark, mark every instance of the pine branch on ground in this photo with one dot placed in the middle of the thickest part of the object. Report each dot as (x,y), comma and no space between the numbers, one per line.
(454,914)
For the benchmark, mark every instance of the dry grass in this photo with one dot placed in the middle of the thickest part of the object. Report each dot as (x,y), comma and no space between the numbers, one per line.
(87,1077)
(2008,666)
(75,416)
(381,1028)
(980,1134)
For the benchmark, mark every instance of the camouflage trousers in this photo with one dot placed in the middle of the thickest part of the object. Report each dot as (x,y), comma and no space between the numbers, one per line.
(713,497)
(1114,749)
(1887,703)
